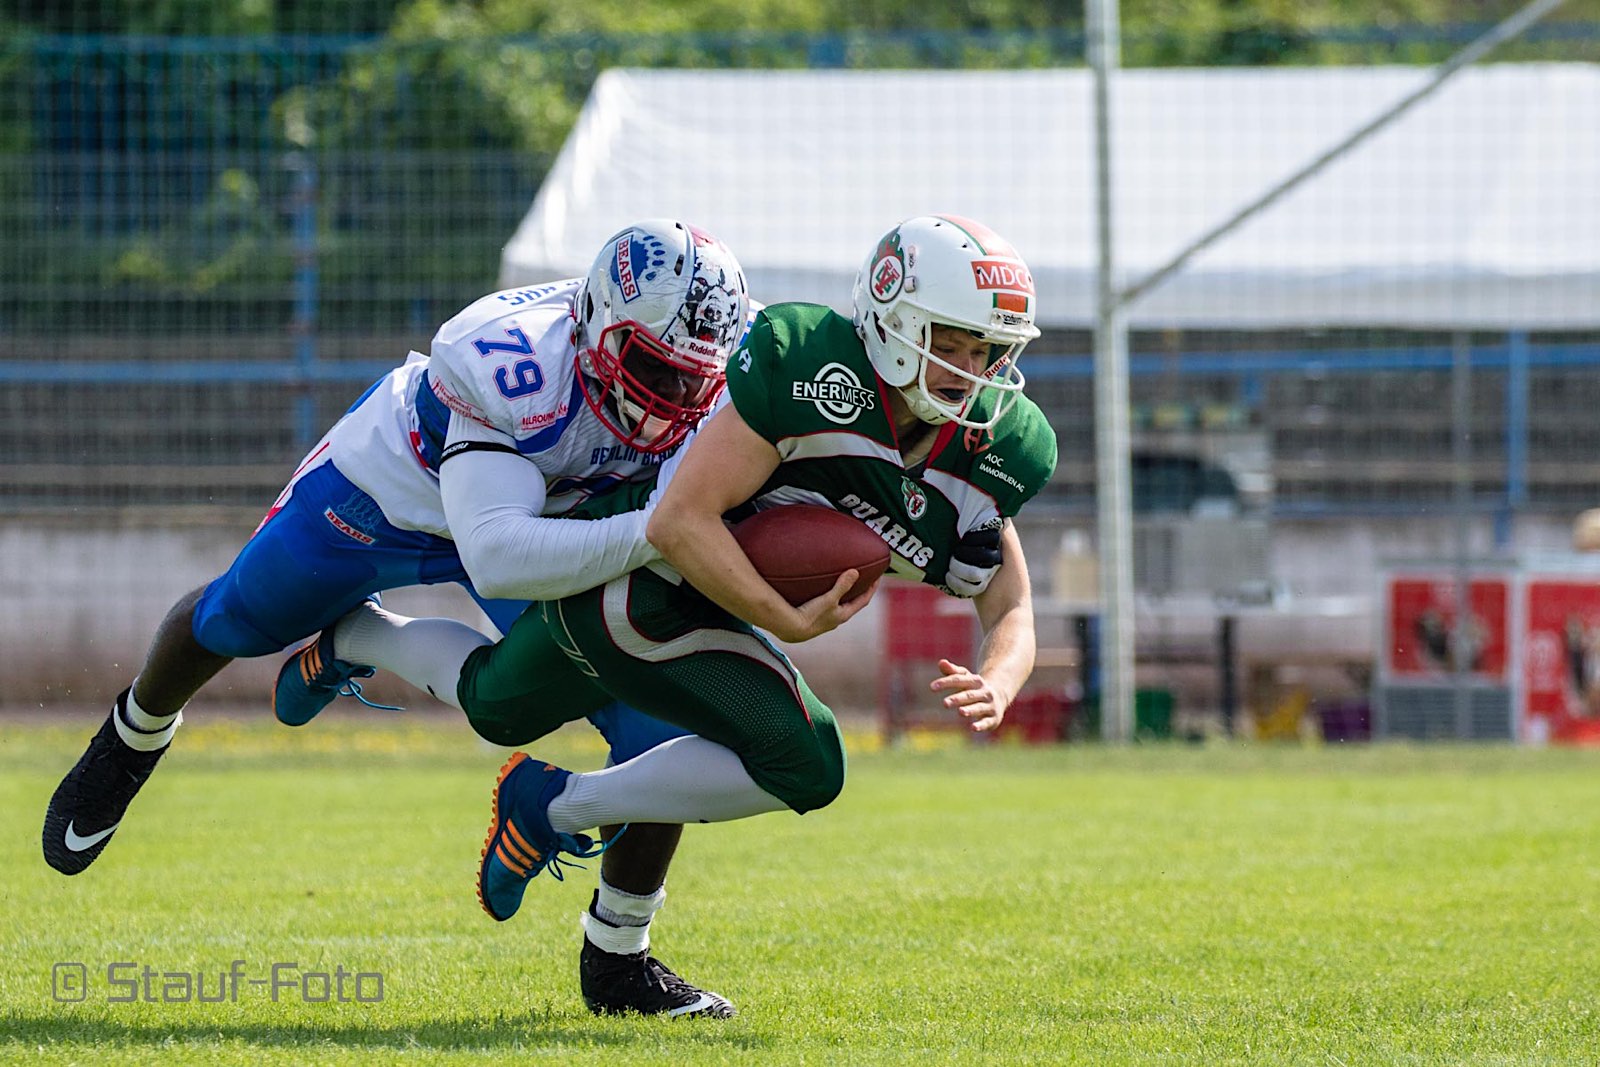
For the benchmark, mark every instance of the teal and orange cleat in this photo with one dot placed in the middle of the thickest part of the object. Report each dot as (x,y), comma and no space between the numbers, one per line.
(521,842)
(312,677)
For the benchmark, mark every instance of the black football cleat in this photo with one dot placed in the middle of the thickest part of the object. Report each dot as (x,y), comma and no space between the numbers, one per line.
(615,985)
(89,803)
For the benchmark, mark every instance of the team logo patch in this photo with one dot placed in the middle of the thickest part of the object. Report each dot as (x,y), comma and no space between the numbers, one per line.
(977,441)
(345,528)
(887,277)
(837,392)
(916,500)
(888,269)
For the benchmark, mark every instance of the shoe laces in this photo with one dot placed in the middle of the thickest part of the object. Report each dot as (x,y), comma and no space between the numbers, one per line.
(352,688)
(579,846)
(666,978)
(339,677)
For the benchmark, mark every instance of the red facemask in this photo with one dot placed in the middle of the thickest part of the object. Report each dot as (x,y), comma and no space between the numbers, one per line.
(645,392)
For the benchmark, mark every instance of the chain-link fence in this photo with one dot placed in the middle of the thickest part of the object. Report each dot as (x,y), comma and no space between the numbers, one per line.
(210,245)
(1364,428)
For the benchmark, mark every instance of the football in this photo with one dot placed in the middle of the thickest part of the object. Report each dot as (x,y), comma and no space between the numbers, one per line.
(801,549)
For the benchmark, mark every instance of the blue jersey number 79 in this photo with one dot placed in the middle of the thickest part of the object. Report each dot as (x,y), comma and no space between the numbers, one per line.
(516,379)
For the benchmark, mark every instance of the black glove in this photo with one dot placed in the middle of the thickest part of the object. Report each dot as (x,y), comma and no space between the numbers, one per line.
(976,559)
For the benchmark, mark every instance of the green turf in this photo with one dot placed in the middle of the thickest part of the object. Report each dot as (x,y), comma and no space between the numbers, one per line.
(964,904)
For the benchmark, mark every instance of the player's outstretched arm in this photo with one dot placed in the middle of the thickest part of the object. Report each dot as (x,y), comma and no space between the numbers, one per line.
(1005,610)
(492,501)
(725,465)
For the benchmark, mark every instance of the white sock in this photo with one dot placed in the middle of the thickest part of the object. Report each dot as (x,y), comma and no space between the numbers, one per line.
(619,922)
(142,731)
(428,653)
(685,780)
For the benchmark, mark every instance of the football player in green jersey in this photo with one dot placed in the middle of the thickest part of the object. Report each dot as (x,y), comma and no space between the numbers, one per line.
(910,416)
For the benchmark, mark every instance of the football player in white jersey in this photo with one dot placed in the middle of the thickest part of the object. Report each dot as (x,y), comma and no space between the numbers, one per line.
(536,406)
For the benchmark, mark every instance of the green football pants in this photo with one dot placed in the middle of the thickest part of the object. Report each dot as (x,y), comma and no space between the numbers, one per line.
(673,654)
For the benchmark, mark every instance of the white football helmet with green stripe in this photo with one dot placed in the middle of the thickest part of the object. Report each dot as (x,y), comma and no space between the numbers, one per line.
(945,270)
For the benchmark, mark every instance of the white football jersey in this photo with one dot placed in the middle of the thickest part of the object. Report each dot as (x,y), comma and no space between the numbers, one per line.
(507,361)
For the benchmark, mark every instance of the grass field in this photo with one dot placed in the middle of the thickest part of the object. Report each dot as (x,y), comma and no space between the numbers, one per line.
(958,904)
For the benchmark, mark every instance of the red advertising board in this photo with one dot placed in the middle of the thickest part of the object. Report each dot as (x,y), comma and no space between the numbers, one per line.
(1422,617)
(1561,660)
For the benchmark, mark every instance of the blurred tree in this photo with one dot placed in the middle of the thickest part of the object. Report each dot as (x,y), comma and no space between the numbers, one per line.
(428,123)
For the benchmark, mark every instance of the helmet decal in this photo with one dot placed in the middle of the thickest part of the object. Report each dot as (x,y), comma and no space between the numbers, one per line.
(1002,274)
(710,314)
(1010,280)
(638,256)
(889,268)
(986,240)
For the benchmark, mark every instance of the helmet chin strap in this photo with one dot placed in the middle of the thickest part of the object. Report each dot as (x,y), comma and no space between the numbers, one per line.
(923,408)
(920,398)
(636,420)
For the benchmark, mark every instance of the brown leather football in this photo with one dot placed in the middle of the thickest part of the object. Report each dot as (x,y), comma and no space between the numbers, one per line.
(801,549)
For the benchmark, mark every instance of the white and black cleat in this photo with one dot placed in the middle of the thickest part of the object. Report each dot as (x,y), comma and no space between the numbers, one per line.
(615,984)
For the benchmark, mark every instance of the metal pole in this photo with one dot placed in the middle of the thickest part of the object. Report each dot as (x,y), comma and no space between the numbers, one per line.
(303,327)
(1517,373)
(1227,672)
(1113,498)
(1461,450)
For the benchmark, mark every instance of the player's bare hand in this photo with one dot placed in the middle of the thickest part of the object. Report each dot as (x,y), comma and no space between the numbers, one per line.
(970,696)
(830,610)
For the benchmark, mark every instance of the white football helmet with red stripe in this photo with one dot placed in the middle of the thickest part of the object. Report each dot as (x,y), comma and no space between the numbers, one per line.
(950,271)
(660,312)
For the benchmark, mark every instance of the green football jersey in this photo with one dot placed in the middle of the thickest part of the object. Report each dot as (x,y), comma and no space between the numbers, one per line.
(803,381)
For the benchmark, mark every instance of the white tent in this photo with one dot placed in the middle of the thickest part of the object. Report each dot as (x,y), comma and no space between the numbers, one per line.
(1480,208)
